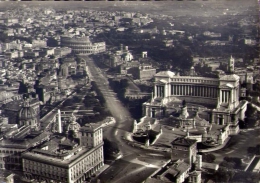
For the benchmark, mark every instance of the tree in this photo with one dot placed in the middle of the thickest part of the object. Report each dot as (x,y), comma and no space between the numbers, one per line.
(223,175)
(242,124)
(256,87)
(250,110)
(110,149)
(249,177)
(76,99)
(22,88)
(236,161)
(51,42)
(68,102)
(210,158)
(228,165)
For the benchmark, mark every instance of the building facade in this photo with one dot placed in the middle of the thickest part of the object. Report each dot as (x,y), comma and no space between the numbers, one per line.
(217,98)
(185,149)
(146,72)
(71,159)
(74,166)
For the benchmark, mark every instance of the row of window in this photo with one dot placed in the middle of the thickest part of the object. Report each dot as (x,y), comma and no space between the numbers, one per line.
(194,90)
(8,159)
(51,176)
(36,165)
(9,151)
(179,148)
(83,167)
(86,134)
(87,162)
(195,80)
(184,155)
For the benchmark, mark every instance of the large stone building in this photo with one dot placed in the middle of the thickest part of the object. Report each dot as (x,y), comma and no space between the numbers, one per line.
(28,116)
(146,72)
(184,148)
(216,99)
(12,109)
(71,159)
(16,139)
(82,45)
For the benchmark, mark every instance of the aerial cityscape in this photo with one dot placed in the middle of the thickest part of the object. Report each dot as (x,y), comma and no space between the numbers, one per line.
(130,92)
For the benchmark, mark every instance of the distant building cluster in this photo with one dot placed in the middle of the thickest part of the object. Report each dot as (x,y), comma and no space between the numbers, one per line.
(41,68)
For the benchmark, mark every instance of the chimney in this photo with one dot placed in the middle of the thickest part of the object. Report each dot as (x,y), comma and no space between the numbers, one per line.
(126,48)
(121,47)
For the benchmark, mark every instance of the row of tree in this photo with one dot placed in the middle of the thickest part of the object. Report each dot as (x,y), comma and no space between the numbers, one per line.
(99,96)
(229,175)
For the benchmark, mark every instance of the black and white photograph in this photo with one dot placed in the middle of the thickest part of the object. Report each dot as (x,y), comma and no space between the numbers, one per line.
(130,91)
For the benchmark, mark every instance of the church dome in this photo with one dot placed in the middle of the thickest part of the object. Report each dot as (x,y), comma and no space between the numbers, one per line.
(26,112)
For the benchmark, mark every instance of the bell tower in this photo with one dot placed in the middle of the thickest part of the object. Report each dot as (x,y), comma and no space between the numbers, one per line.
(231,65)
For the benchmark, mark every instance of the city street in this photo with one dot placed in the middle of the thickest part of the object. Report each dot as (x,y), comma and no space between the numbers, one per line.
(135,164)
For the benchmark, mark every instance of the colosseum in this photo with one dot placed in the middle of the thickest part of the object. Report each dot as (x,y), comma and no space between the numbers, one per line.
(82,45)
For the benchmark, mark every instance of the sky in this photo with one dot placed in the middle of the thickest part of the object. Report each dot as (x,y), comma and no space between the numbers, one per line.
(198,7)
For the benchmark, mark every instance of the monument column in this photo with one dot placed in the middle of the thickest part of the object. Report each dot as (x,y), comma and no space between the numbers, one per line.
(155,91)
(220,95)
(165,90)
(228,93)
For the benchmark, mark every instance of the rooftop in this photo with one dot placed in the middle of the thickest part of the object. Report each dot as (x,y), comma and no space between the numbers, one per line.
(165,74)
(232,77)
(183,142)
(62,158)
(90,127)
